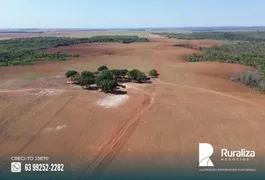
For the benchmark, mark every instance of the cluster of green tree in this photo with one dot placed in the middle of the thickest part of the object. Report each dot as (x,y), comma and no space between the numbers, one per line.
(29,57)
(27,50)
(23,51)
(184,45)
(247,53)
(240,36)
(107,79)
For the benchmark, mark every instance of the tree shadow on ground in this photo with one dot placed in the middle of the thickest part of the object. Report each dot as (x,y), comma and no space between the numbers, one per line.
(145,82)
(118,92)
(148,82)
(124,80)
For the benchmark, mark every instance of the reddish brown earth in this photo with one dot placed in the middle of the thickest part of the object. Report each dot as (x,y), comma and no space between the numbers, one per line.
(159,127)
(85,48)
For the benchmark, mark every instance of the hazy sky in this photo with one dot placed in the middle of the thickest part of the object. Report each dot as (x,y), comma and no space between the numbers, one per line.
(130,13)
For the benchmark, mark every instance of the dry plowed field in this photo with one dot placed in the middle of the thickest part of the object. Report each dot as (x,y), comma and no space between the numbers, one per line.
(153,127)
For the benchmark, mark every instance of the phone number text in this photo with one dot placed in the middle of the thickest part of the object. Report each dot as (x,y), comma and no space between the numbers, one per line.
(44,167)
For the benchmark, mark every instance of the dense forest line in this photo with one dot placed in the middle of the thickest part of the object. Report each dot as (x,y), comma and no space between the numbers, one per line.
(238,36)
(27,50)
(248,53)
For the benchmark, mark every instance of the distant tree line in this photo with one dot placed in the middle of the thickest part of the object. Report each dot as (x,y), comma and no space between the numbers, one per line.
(121,39)
(15,32)
(24,51)
(239,36)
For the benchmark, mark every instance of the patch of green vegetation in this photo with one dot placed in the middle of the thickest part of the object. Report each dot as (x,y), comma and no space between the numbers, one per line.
(248,53)
(70,73)
(102,68)
(137,76)
(105,81)
(26,51)
(153,73)
(238,36)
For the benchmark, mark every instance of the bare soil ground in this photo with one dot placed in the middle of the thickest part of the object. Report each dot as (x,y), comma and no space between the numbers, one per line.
(154,126)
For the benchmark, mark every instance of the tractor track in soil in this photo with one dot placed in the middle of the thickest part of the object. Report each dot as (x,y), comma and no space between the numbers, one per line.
(45,125)
(23,118)
(112,146)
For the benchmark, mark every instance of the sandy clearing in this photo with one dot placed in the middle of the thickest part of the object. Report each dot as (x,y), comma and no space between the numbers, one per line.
(112,101)
(59,76)
(50,92)
(57,128)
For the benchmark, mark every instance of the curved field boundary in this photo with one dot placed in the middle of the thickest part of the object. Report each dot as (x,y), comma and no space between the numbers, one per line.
(214,92)
(156,61)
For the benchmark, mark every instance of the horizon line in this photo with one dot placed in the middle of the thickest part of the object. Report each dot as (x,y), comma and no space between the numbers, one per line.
(158,27)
